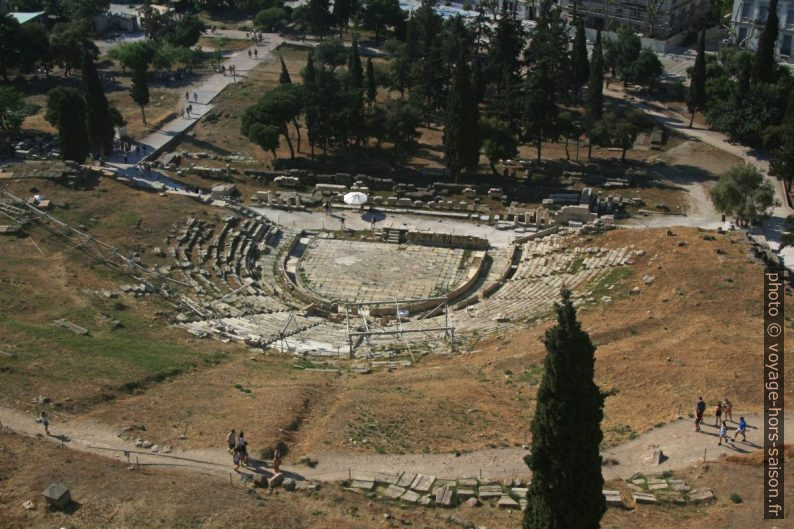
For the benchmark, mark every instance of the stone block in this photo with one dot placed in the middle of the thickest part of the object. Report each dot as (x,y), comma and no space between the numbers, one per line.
(641,498)
(445,496)
(506,502)
(613,497)
(57,496)
(422,483)
(410,496)
(393,492)
(700,495)
(363,484)
(406,479)
(391,479)
(490,491)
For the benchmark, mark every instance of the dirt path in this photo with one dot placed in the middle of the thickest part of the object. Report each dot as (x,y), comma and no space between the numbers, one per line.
(680,444)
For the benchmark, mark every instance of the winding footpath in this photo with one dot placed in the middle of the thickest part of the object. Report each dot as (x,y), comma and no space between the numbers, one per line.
(678,441)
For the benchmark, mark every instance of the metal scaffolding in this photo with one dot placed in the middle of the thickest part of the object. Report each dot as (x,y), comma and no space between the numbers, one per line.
(369,326)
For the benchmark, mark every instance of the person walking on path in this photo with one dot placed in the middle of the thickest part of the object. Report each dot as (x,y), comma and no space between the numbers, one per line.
(727,408)
(231,441)
(189,110)
(724,434)
(242,447)
(256,52)
(276,460)
(249,54)
(187,96)
(45,421)
(236,460)
(741,429)
(718,414)
(700,408)
(195,97)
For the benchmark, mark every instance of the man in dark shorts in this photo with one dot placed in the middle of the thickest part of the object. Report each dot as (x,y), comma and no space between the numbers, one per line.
(231,440)
(700,408)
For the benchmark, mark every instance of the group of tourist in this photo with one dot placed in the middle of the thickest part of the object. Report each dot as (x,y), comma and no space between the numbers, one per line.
(128,149)
(723,408)
(238,448)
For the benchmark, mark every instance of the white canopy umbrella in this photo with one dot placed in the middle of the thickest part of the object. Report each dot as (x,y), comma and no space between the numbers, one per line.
(356,198)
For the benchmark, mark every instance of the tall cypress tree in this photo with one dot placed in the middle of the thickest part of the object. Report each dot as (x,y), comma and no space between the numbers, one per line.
(461,129)
(595,85)
(354,65)
(580,66)
(310,101)
(783,162)
(696,100)
(66,110)
(372,88)
(764,65)
(98,117)
(284,77)
(343,9)
(139,91)
(566,489)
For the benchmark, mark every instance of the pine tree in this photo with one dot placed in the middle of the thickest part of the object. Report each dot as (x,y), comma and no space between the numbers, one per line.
(595,85)
(764,65)
(98,117)
(139,91)
(318,15)
(566,489)
(372,88)
(343,9)
(461,130)
(580,66)
(783,162)
(284,77)
(696,100)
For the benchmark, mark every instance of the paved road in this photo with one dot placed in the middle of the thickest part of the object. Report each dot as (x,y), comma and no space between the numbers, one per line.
(771,231)
(201,94)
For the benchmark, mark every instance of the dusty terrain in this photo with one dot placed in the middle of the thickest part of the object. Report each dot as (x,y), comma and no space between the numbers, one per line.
(108,495)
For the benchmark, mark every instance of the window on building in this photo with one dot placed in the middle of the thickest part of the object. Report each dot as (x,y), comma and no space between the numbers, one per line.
(745,11)
(785,46)
(790,18)
(763,13)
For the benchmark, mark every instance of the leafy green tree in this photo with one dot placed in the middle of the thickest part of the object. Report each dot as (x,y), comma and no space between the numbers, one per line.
(13,109)
(783,157)
(621,129)
(69,42)
(132,55)
(380,14)
(461,135)
(696,99)
(276,108)
(99,120)
(66,111)
(566,488)
(580,66)
(319,17)
(401,120)
(569,123)
(9,51)
(595,85)
(764,66)
(34,47)
(343,10)
(621,52)
(271,19)
(179,30)
(266,136)
(504,63)
(787,238)
(331,53)
(499,142)
(645,70)
(743,193)
(372,87)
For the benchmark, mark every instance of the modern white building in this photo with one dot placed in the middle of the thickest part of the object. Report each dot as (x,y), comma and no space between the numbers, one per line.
(654,19)
(748,19)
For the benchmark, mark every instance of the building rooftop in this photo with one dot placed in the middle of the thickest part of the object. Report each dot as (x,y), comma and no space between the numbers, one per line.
(26,17)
